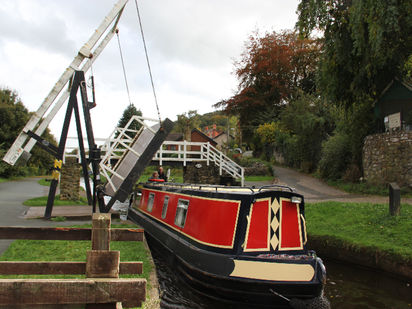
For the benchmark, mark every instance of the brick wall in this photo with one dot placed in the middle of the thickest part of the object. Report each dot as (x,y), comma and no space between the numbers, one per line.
(387,157)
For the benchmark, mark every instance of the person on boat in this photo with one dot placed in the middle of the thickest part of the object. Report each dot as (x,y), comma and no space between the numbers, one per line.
(155,177)
(162,174)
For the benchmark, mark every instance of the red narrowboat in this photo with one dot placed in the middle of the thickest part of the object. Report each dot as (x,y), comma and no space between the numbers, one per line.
(241,245)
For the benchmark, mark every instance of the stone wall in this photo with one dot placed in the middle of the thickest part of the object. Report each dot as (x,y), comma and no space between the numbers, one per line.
(387,157)
(200,172)
(70,180)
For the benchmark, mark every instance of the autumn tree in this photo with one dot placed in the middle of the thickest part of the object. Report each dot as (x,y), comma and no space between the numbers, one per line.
(270,70)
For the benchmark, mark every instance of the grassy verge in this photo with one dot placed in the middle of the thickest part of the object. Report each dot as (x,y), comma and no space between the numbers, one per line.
(363,225)
(59,250)
(42,201)
(44,182)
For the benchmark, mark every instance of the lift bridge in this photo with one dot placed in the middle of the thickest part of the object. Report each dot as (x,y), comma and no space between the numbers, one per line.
(120,151)
(126,153)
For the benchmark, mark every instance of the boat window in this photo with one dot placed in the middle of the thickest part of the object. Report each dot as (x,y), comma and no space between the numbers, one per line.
(164,210)
(150,202)
(181,212)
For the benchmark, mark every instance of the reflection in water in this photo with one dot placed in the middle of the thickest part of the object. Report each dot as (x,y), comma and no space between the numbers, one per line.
(347,287)
(355,287)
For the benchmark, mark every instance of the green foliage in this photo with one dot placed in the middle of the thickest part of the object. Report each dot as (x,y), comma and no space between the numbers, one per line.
(335,156)
(364,225)
(128,113)
(186,122)
(366,44)
(13,117)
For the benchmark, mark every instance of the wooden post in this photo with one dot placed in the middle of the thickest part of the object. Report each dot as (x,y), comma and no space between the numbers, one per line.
(394,199)
(101,231)
(100,261)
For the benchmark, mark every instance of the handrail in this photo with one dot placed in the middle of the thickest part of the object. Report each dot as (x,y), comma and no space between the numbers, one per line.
(278,186)
(184,152)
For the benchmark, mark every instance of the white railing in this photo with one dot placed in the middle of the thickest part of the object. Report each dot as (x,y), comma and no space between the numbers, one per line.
(121,140)
(194,152)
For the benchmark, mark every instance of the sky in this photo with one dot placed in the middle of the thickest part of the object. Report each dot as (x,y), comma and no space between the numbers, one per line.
(192,46)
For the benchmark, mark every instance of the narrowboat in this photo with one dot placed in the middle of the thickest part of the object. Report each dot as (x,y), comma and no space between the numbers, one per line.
(241,245)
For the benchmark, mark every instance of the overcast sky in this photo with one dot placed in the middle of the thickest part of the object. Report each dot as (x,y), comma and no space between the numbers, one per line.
(191,43)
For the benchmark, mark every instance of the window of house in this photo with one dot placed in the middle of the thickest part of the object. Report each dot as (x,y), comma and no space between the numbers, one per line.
(164,210)
(181,212)
(150,202)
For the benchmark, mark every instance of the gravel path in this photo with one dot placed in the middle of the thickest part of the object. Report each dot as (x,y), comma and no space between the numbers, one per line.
(12,210)
(315,190)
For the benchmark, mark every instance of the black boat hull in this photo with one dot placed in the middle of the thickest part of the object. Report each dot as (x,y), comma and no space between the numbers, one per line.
(208,272)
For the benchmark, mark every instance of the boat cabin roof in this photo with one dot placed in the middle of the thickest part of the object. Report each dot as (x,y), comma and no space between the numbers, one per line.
(223,189)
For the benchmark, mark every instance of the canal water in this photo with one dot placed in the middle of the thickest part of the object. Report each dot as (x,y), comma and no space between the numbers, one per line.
(347,287)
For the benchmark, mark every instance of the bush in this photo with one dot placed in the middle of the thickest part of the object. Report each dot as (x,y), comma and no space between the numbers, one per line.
(254,166)
(336,156)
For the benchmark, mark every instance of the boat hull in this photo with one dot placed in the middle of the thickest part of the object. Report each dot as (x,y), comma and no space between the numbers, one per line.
(219,276)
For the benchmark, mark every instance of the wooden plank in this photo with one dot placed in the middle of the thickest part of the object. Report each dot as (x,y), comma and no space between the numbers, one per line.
(135,268)
(61,268)
(72,291)
(42,306)
(59,233)
(127,234)
(45,233)
(102,264)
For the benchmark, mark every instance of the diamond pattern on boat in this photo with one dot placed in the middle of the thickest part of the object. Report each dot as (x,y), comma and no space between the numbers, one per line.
(274,224)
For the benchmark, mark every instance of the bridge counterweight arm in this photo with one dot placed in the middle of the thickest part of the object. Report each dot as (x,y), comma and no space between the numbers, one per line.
(23,143)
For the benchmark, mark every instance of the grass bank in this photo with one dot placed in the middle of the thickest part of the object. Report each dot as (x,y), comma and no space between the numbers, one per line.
(42,201)
(59,250)
(363,226)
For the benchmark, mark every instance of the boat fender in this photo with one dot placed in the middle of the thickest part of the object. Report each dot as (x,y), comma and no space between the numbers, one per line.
(156,180)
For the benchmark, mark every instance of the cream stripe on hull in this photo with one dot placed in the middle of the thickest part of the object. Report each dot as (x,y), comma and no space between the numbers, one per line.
(273,271)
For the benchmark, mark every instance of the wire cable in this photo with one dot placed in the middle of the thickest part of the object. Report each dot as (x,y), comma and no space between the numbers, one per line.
(124,69)
(147,60)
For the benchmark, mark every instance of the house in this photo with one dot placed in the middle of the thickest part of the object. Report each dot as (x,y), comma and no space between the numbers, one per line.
(222,140)
(393,108)
(174,137)
(198,136)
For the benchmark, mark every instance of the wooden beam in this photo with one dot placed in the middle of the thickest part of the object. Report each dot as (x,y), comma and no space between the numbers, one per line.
(45,233)
(61,268)
(127,234)
(62,233)
(72,291)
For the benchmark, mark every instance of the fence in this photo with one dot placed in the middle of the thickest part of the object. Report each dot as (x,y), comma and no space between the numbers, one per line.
(102,287)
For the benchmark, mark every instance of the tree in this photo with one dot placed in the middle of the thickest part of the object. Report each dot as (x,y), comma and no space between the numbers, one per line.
(366,44)
(13,117)
(186,122)
(270,71)
(128,113)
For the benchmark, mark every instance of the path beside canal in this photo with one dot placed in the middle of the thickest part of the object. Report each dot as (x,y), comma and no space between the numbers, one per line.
(315,190)
(12,210)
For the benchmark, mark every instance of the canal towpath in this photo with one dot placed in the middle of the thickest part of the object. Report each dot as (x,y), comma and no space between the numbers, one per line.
(14,213)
